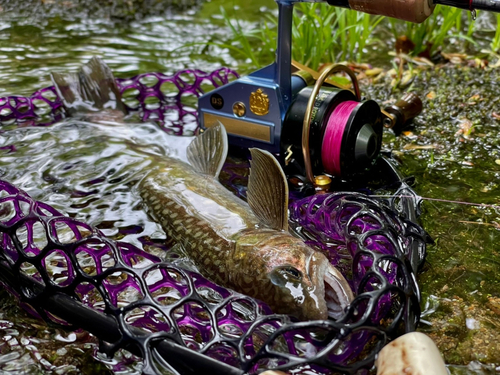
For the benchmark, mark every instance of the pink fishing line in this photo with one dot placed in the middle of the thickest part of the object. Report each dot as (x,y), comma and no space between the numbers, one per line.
(332,141)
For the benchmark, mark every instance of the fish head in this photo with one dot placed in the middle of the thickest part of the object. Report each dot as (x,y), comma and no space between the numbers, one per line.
(298,280)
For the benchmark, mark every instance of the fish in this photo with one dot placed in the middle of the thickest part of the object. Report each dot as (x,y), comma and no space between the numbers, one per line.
(244,246)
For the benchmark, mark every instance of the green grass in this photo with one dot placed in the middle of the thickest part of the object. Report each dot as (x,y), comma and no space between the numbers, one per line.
(495,43)
(323,34)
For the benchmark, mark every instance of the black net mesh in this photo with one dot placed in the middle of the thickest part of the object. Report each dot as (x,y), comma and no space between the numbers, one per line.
(71,274)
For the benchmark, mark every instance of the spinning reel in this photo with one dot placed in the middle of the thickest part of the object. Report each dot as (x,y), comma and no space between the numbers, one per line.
(316,129)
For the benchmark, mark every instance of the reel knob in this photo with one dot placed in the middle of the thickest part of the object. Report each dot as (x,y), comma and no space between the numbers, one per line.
(405,109)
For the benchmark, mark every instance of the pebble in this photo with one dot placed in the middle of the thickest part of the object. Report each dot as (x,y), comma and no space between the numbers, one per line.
(412,354)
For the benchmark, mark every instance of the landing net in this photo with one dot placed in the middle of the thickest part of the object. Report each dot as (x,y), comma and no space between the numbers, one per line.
(69,273)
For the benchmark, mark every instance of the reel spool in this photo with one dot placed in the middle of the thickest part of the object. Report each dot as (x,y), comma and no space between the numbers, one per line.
(329,129)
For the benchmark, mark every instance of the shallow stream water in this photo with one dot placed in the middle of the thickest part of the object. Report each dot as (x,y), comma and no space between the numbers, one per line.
(89,171)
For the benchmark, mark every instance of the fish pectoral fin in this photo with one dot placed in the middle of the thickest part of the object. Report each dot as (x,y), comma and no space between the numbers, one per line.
(92,88)
(268,190)
(208,151)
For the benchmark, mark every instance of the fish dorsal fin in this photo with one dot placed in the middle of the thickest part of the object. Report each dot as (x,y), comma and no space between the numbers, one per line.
(268,190)
(91,89)
(208,151)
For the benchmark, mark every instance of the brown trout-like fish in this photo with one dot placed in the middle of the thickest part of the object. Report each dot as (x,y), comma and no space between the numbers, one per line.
(245,247)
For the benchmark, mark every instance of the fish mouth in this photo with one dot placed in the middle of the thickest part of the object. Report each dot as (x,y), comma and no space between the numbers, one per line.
(338,293)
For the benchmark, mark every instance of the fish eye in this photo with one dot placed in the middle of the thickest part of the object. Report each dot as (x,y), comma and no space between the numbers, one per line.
(283,275)
(293,272)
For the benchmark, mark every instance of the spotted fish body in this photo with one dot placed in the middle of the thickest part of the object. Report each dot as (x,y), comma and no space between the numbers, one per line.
(242,246)
(199,213)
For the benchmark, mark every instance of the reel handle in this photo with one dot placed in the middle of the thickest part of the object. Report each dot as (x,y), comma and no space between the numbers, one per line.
(405,109)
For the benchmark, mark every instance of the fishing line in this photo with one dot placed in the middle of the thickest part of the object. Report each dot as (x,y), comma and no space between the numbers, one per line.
(494,206)
(334,132)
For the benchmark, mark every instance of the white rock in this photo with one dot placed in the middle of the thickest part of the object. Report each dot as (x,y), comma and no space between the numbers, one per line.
(411,354)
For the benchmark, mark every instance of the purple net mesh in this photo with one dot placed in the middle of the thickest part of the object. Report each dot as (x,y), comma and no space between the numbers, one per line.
(169,100)
(69,273)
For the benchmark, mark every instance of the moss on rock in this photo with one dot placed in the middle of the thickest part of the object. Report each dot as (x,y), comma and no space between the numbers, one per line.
(453,150)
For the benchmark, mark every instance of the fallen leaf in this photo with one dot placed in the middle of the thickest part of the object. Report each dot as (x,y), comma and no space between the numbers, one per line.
(496,65)
(419,147)
(466,128)
(407,78)
(422,61)
(404,44)
(379,77)
(456,56)
(373,72)
(431,95)
(392,72)
(480,63)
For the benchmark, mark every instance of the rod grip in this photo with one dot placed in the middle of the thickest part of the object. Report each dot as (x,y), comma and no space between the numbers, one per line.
(405,109)
(415,11)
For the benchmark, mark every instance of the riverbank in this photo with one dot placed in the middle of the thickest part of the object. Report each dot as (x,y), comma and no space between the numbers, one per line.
(453,151)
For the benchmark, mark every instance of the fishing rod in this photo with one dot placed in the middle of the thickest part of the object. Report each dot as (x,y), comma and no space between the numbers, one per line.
(487,5)
(413,10)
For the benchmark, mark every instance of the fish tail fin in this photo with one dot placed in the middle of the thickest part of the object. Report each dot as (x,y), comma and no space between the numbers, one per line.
(91,89)
(268,190)
(208,151)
